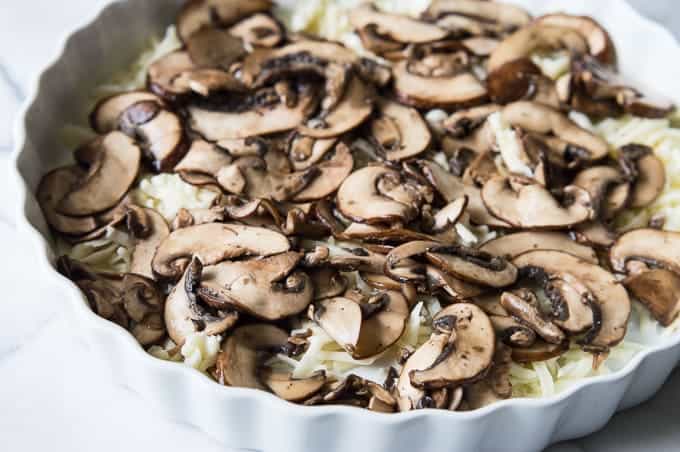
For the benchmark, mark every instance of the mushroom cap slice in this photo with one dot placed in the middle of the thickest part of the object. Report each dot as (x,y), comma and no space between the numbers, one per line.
(259,30)
(52,189)
(165,71)
(512,245)
(267,288)
(145,247)
(469,356)
(212,47)
(659,291)
(197,14)
(185,316)
(162,137)
(408,396)
(650,246)
(523,305)
(399,131)
(609,294)
(539,118)
(106,114)
(539,351)
(384,328)
(203,158)
(460,90)
(108,179)
(503,13)
(328,282)
(292,389)
(341,319)
(332,173)
(213,243)
(240,360)
(359,198)
(449,215)
(575,310)
(496,384)
(304,152)
(456,288)
(648,171)
(472,265)
(396,27)
(532,206)
(607,188)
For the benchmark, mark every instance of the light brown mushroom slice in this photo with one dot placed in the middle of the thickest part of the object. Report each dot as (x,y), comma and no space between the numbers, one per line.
(304,152)
(184,315)
(399,264)
(203,157)
(538,118)
(659,290)
(53,187)
(145,247)
(292,389)
(648,171)
(462,123)
(496,385)
(408,396)
(459,90)
(212,47)
(523,305)
(482,46)
(470,355)
(651,246)
(452,286)
(105,115)
(397,27)
(449,215)
(341,319)
(332,173)
(575,310)
(108,179)
(607,188)
(328,282)
(600,44)
(609,294)
(213,243)
(502,13)
(354,108)
(242,355)
(162,138)
(259,30)
(371,233)
(206,82)
(268,288)
(197,14)
(400,132)
(143,303)
(511,332)
(525,204)
(512,245)
(360,200)
(384,328)
(594,234)
(164,71)
(540,351)
(472,265)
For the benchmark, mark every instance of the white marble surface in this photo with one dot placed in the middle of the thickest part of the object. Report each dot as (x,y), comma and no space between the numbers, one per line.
(52,398)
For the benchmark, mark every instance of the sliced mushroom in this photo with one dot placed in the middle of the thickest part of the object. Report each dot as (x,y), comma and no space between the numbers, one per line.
(197,14)
(647,173)
(512,332)
(395,27)
(240,362)
(164,72)
(213,243)
(456,288)
(524,305)
(506,16)
(304,152)
(214,48)
(259,30)
(468,357)
(472,265)
(574,307)
(268,288)
(462,123)
(146,245)
(449,214)
(184,315)
(540,351)
(496,384)
(526,204)
(204,158)
(292,389)
(332,173)
(659,291)
(512,245)
(607,188)
(105,115)
(657,249)
(328,282)
(399,132)
(108,179)
(521,80)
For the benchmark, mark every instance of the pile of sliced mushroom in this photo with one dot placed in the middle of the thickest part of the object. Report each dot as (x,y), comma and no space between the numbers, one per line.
(306,142)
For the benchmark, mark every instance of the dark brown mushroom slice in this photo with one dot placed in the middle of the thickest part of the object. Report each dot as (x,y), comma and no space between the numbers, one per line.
(399,132)
(268,288)
(106,114)
(283,385)
(647,172)
(461,123)
(304,152)
(512,245)
(259,30)
(108,179)
(145,247)
(459,90)
(657,249)
(396,27)
(526,204)
(164,72)
(185,315)
(470,354)
(243,353)
(599,42)
(506,15)
(540,351)
(521,79)
(607,188)
(523,305)
(204,158)
(659,290)
(197,14)
(471,265)
(332,172)
(496,385)
(611,298)
(213,243)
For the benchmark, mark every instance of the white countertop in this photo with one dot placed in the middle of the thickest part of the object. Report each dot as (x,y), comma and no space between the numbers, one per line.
(53,399)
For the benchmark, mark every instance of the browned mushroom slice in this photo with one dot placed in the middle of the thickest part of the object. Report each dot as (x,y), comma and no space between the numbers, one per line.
(203,157)
(197,14)
(511,332)
(526,204)
(594,234)
(459,90)
(647,172)
(108,179)
(360,198)
(341,319)
(105,115)
(328,282)
(659,291)
(304,152)
(538,118)
(456,288)
(468,356)
(523,304)
(399,264)
(332,172)
(146,245)
(185,315)
(213,243)
(207,82)
(244,352)
(268,288)
(462,123)
(472,265)
(540,351)
(164,71)
(259,30)
(520,80)
(609,294)
(512,245)
(506,15)
(354,108)
(607,188)
(396,27)
(399,132)
(659,249)
(292,389)
(53,187)
(496,385)
(574,307)
(214,48)
(143,303)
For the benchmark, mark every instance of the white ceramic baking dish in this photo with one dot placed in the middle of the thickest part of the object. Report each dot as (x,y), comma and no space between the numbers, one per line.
(257,420)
